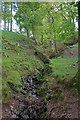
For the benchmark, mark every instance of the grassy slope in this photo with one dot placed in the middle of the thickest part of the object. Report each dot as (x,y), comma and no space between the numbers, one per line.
(63,67)
(66,66)
(17,62)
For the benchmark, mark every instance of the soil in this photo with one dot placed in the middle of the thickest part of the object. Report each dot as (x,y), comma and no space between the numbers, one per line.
(10,108)
(66,108)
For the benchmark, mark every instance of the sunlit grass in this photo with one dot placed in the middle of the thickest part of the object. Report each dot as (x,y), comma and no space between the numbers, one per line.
(64,67)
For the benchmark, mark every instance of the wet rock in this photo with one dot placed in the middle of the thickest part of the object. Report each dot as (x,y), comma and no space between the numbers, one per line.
(37,82)
(29,80)
(23,106)
(31,107)
(11,107)
(25,115)
(14,116)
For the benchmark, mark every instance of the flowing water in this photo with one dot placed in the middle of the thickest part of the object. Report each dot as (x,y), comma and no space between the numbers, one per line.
(32,106)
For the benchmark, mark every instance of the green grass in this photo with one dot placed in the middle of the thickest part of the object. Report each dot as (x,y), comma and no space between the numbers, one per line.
(17,63)
(62,70)
(12,36)
(63,67)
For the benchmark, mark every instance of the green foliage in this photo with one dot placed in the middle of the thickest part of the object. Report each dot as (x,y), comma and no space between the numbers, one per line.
(49,92)
(6,91)
(6,14)
(47,20)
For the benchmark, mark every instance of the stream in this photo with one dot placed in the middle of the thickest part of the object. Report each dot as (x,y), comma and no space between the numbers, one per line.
(31,105)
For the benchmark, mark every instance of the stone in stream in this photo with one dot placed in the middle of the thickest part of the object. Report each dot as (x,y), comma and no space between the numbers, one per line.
(28,114)
(14,116)
(25,115)
(33,95)
(30,79)
(23,105)
(29,82)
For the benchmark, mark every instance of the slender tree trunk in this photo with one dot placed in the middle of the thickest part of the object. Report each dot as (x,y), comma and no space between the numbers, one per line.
(79,52)
(79,33)
(8,26)
(34,36)
(20,29)
(2,6)
(56,47)
(17,4)
(33,31)
(4,24)
(11,19)
(28,34)
(5,17)
(42,37)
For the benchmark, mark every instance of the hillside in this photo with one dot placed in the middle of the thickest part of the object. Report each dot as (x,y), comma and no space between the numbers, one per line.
(17,62)
(53,79)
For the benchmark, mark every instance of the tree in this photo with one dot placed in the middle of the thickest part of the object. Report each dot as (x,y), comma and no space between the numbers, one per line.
(11,17)
(6,14)
(47,21)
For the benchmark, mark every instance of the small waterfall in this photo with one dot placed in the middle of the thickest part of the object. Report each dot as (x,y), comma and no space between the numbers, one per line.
(31,105)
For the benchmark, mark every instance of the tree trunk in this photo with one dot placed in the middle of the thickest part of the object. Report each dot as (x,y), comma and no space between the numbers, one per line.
(28,34)
(33,32)
(55,46)
(4,17)
(2,6)
(4,24)
(41,37)
(79,35)
(8,26)
(11,19)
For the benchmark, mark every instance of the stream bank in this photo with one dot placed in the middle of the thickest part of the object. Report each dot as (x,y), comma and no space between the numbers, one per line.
(32,106)
(28,104)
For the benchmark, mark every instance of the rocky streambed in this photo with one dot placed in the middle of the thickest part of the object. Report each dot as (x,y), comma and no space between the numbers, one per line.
(31,106)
